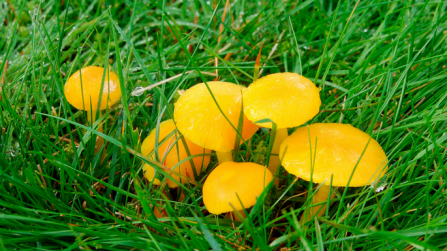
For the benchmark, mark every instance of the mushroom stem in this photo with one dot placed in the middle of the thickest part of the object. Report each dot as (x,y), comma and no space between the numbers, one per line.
(182,194)
(159,212)
(321,196)
(237,218)
(224,157)
(91,117)
(274,163)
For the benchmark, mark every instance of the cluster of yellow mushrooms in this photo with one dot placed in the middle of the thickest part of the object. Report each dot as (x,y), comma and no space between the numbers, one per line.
(208,115)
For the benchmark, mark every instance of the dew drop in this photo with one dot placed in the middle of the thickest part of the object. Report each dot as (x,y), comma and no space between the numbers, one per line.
(379,188)
(136,92)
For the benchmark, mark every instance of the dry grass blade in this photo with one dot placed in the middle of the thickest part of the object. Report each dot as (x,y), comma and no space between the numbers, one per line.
(257,64)
(141,90)
(216,60)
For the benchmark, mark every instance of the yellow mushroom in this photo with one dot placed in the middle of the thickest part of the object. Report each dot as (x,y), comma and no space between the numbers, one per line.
(199,119)
(83,89)
(234,183)
(171,151)
(336,150)
(288,99)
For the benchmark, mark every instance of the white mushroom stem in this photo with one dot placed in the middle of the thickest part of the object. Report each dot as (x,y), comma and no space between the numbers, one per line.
(224,156)
(320,196)
(237,218)
(91,117)
(274,163)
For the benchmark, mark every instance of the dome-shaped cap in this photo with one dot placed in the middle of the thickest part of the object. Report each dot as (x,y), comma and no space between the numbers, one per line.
(171,152)
(199,119)
(288,99)
(90,89)
(247,180)
(338,149)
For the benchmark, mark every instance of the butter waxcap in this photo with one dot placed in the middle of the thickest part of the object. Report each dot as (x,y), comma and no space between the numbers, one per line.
(171,151)
(199,119)
(231,180)
(338,149)
(88,89)
(288,99)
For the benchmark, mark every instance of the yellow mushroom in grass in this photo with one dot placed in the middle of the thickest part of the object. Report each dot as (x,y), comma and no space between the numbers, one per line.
(337,152)
(288,99)
(199,119)
(83,91)
(231,184)
(172,151)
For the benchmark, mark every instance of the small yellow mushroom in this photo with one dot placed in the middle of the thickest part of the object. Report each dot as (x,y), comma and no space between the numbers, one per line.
(234,183)
(199,119)
(171,151)
(83,89)
(336,150)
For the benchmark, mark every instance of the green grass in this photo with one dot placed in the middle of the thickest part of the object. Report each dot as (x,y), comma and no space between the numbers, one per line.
(381,66)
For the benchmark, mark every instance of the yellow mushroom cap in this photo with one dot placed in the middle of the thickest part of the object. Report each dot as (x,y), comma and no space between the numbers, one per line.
(199,119)
(288,99)
(90,89)
(171,152)
(247,180)
(338,149)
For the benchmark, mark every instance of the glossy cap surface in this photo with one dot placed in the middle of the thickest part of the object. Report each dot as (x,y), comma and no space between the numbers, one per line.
(288,99)
(90,89)
(199,119)
(170,152)
(338,149)
(247,180)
